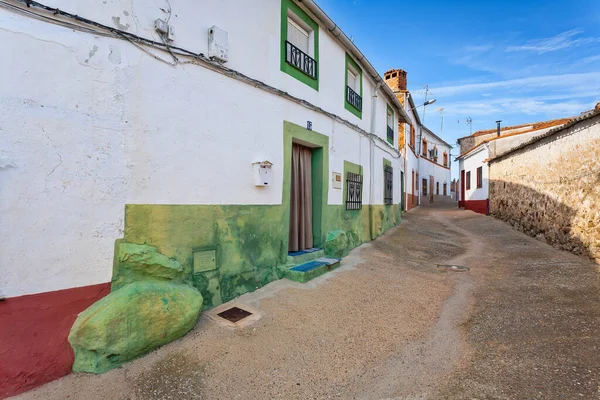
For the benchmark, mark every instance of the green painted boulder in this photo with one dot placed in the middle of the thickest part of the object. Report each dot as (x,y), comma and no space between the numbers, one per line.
(140,262)
(132,321)
(336,244)
(147,260)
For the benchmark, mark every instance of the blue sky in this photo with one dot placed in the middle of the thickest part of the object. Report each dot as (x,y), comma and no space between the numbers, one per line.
(518,61)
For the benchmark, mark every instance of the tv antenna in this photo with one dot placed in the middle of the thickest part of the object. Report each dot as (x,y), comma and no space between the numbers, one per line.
(441,111)
(470,122)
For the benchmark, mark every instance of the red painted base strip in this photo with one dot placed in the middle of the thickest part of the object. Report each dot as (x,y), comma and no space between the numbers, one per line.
(479,206)
(411,201)
(33,336)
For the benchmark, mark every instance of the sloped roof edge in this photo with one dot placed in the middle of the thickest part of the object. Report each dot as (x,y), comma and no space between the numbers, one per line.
(551,132)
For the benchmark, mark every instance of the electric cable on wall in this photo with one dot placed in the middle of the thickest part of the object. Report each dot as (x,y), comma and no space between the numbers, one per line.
(198,58)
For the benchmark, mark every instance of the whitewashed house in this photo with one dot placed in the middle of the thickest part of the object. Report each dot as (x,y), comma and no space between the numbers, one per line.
(195,127)
(427,155)
(477,149)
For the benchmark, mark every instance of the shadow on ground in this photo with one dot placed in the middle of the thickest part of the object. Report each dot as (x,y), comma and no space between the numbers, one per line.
(534,327)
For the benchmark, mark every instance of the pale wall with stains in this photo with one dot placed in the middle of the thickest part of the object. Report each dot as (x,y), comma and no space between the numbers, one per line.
(90,123)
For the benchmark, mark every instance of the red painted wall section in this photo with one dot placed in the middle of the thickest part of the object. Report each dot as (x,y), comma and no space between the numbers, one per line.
(411,201)
(33,336)
(479,206)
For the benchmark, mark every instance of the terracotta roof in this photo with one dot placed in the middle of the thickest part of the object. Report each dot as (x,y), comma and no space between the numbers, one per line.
(582,117)
(535,126)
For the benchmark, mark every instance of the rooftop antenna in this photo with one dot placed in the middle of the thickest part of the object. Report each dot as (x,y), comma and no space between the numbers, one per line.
(470,122)
(425,102)
(441,111)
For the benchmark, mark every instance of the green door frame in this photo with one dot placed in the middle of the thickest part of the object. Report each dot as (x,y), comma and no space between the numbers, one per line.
(319,143)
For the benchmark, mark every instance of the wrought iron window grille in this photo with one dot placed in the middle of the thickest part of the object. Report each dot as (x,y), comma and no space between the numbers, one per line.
(389,180)
(299,59)
(354,183)
(353,98)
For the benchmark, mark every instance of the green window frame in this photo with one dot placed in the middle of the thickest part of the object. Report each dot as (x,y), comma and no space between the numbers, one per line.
(388,182)
(351,64)
(391,132)
(288,7)
(357,170)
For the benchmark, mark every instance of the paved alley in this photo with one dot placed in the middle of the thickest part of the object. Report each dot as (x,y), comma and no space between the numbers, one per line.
(523,323)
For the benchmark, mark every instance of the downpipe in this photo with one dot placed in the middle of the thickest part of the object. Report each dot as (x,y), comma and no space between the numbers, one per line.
(372,160)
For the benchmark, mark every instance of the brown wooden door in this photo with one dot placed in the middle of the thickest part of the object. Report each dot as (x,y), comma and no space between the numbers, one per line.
(462,188)
(430,189)
(301,232)
(412,191)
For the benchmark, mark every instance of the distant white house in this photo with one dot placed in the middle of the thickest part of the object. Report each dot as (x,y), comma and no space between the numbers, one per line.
(427,155)
(477,149)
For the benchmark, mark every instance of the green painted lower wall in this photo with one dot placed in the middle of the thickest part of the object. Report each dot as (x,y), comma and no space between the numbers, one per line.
(250,242)
(247,239)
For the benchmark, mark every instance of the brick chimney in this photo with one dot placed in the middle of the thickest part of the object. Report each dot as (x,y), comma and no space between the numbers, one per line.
(396,80)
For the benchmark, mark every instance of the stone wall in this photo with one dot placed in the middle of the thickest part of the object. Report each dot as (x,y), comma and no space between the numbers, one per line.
(550,188)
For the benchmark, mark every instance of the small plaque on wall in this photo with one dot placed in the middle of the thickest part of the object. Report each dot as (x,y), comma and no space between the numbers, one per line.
(336,180)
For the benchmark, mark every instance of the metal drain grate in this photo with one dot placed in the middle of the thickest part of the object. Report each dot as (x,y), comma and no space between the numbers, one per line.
(234,314)
(453,268)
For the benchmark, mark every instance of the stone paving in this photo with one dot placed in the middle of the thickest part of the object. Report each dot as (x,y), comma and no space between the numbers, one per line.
(522,323)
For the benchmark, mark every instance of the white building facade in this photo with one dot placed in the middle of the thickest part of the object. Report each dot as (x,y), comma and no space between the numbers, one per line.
(115,131)
(434,167)
(427,155)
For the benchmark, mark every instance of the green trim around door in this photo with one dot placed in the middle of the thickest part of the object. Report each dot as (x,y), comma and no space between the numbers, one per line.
(286,6)
(347,105)
(320,170)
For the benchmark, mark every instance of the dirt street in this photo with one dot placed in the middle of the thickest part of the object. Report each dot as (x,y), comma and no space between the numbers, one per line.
(523,323)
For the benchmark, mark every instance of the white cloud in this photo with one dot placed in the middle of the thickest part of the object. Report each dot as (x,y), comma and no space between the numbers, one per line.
(479,48)
(591,59)
(566,82)
(558,106)
(561,41)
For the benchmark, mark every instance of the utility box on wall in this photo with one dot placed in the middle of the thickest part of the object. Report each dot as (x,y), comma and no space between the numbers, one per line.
(205,260)
(218,44)
(336,180)
(262,173)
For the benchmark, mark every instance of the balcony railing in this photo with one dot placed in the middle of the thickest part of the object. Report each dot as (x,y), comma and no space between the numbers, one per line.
(390,135)
(299,59)
(353,98)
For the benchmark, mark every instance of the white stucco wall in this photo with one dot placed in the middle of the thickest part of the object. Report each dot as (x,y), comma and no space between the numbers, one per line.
(493,148)
(504,144)
(470,163)
(89,124)
(429,168)
(412,161)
